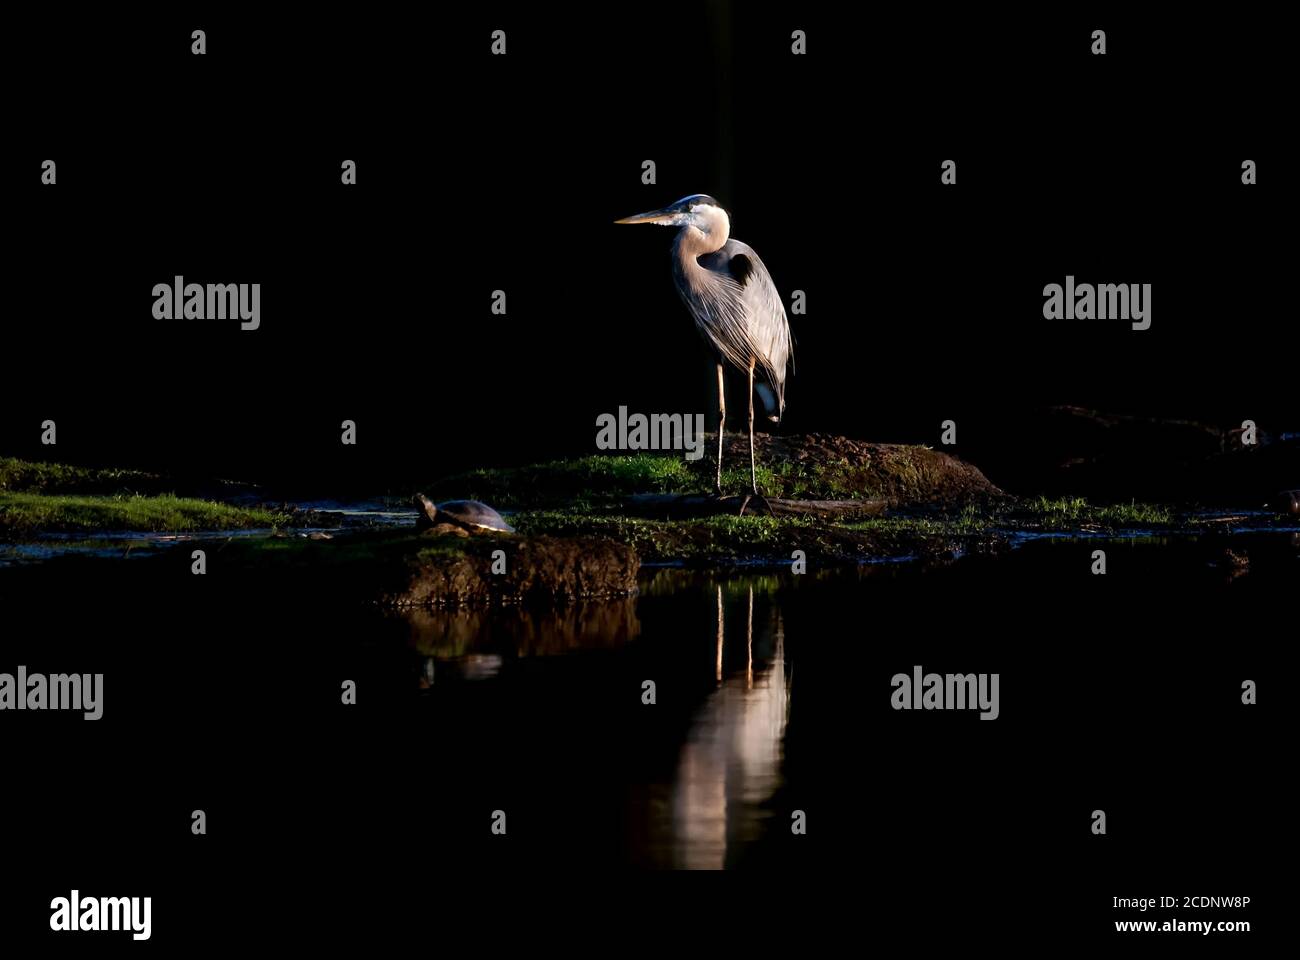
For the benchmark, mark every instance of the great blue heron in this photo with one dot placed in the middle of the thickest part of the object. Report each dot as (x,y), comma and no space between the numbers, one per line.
(734,302)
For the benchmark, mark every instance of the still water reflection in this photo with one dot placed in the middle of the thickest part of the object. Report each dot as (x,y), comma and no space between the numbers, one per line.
(727,753)
(549,705)
(731,762)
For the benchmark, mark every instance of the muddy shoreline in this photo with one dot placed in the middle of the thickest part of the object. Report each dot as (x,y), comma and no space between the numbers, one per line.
(586,527)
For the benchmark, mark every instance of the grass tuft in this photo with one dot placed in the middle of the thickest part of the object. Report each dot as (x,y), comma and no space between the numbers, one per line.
(30,476)
(24,514)
(1077,510)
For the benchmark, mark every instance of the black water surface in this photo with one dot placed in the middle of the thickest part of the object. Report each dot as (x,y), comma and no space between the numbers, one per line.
(1119,692)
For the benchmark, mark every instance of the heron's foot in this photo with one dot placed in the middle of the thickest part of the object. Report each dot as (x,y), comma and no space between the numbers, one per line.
(752,497)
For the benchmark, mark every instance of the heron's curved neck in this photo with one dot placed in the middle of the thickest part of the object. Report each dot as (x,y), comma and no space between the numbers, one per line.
(707,235)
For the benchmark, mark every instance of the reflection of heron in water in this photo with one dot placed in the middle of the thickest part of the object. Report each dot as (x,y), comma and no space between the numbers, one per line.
(731,762)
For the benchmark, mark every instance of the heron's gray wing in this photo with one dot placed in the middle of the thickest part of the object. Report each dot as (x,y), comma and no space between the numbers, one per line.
(737,310)
(769,329)
(748,315)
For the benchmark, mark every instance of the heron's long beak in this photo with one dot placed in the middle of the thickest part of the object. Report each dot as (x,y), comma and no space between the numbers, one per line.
(654,216)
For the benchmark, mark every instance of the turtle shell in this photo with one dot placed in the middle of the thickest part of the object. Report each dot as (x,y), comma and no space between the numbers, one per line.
(473,515)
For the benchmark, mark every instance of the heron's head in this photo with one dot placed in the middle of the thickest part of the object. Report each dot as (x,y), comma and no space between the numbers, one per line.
(699,210)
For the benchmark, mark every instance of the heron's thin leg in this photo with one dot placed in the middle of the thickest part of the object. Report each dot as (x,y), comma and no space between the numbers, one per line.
(722,422)
(753,470)
(753,473)
(718,669)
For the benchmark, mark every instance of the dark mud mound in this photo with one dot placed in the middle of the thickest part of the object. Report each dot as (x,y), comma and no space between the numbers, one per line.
(540,572)
(811,466)
(823,466)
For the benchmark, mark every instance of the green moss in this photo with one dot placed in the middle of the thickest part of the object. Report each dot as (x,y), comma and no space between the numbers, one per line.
(1075,511)
(800,468)
(580,482)
(26,476)
(727,539)
(380,548)
(25,514)
(935,526)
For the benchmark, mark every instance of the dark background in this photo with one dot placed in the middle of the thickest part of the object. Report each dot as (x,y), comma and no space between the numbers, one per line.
(479,173)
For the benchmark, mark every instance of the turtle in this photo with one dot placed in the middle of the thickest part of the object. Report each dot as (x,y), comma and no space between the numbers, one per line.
(458,516)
